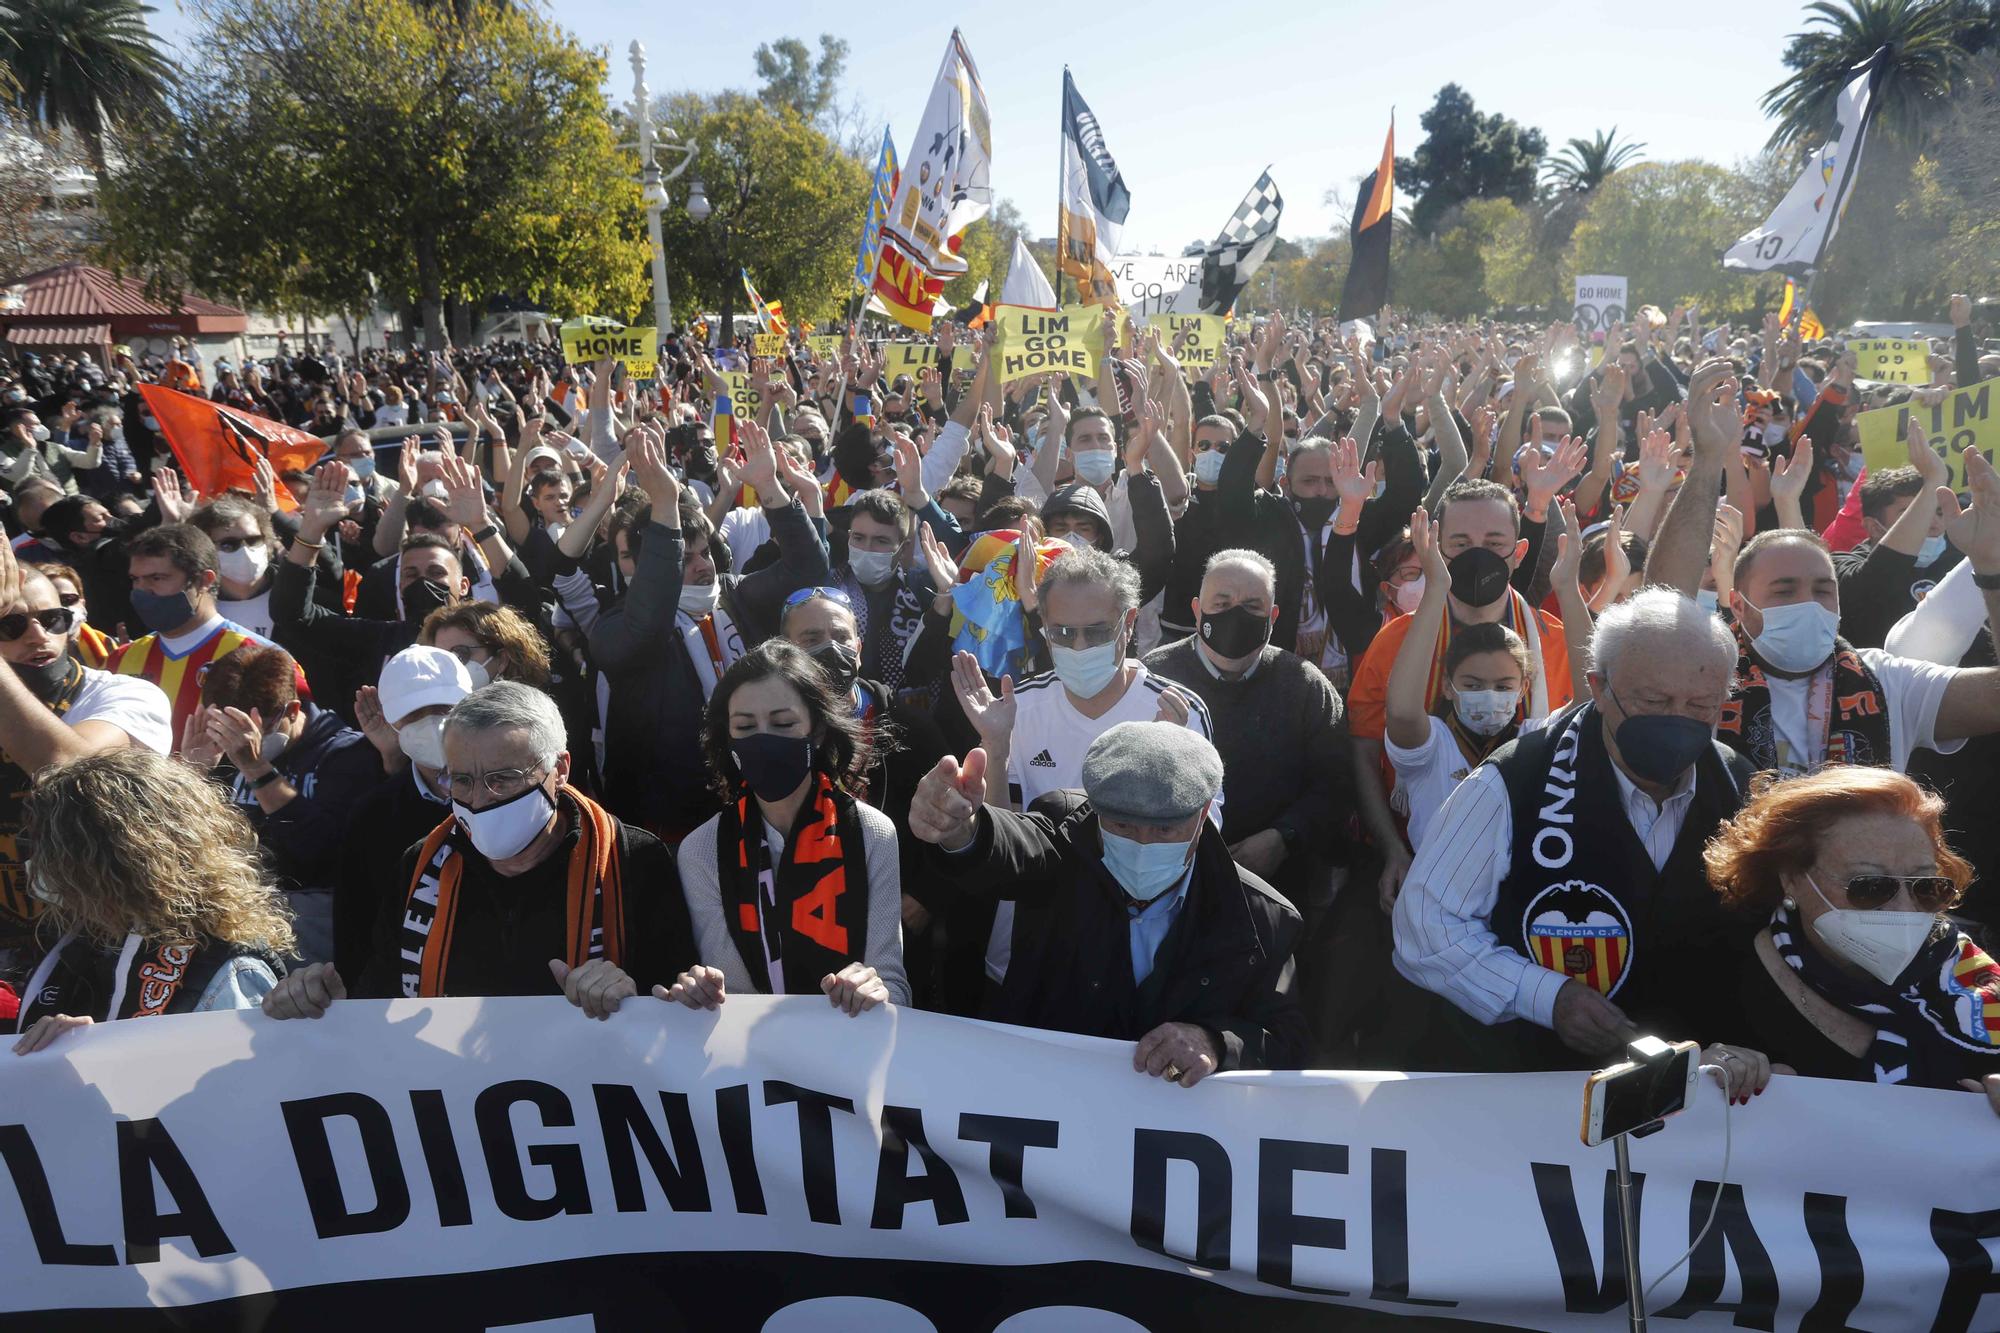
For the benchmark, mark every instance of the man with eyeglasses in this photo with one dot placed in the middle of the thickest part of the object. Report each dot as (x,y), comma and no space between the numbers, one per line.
(528,888)
(53,709)
(1560,894)
(1037,734)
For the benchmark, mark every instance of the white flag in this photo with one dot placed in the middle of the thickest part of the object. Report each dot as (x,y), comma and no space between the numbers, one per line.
(945,186)
(1026,284)
(1090,216)
(1799,229)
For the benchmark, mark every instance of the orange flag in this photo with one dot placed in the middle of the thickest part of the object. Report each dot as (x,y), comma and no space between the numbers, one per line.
(217,445)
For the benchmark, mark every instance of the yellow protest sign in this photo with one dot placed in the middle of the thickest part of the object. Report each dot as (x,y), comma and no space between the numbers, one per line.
(825,346)
(748,402)
(907,358)
(1194,340)
(1892,360)
(1035,342)
(593,337)
(767,344)
(1961,420)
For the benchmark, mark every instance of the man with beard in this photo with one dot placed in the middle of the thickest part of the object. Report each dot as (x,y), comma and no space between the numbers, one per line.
(53,709)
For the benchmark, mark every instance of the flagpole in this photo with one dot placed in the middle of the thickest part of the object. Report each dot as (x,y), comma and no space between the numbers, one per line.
(1846,183)
(1062,185)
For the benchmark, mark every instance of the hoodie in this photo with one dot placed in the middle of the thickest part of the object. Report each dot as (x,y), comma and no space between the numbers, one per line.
(334,769)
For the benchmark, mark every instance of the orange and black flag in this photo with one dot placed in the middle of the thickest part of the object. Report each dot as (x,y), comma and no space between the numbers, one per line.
(1367,288)
(217,446)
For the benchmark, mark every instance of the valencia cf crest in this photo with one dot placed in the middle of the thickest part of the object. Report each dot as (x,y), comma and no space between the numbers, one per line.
(1968,1008)
(1579,930)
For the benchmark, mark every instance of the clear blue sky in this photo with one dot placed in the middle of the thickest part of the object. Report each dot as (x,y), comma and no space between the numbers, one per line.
(1197,97)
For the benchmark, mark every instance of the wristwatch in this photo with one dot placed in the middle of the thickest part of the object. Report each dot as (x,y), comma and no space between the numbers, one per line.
(258,784)
(490,530)
(1986,582)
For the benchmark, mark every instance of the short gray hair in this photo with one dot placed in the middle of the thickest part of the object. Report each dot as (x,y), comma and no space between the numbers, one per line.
(1092,568)
(1245,561)
(508,705)
(1659,620)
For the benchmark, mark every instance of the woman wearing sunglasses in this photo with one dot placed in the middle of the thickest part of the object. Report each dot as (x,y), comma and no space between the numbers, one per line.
(1860,973)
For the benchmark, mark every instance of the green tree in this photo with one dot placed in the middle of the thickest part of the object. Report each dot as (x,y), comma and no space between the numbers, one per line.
(1662,225)
(1927,41)
(793,78)
(1585,164)
(1467,155)
(410,161)
(90,66)
(786,203)
(988,251)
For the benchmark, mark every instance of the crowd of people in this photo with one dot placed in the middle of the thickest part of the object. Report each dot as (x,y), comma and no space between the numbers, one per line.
(1430,695)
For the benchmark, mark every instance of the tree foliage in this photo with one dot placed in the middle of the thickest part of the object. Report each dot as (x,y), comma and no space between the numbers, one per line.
(792,78)
(1664,225)
(988,252)
(413,161)
(1928,42)
(1467,155)
(1583,164)
(90,66)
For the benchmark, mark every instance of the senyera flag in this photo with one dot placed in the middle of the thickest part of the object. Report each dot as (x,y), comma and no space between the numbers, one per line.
(217,445)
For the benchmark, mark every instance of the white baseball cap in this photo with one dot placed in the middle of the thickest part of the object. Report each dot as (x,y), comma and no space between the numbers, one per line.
(419,677)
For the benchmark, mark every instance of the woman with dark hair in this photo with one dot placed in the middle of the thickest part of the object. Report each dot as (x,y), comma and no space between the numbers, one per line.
(1861,973)
(794,886)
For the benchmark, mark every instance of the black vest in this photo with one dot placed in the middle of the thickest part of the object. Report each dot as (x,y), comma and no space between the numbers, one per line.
(1581,896)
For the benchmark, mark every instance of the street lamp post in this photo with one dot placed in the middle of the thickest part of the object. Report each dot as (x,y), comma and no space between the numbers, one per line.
(655,142)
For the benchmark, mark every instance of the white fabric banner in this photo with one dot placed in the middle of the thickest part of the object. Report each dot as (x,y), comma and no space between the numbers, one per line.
(478,1164)
(1799,229)
(1151,285)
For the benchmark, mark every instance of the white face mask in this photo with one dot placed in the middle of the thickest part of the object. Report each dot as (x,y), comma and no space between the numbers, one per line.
(1208,467)
(1931,551)
(423,741)
(481,674)
(699,599)
(1797,637)
(246,565)
(1406,596)
(505,830)
(1145,870)
(1709,599)
(872,569)
(1880,943)
(1084,672)
(272,746)
(1485,712)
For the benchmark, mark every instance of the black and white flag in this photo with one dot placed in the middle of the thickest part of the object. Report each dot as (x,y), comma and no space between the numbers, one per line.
(1246,240)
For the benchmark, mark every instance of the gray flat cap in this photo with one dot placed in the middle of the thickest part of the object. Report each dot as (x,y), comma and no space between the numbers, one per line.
(1151,772)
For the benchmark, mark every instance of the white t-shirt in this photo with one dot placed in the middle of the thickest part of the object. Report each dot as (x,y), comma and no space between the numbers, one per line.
(1912,689)
(1426,775)
(1050,740)
(745,530)
(252,613)
(134,705)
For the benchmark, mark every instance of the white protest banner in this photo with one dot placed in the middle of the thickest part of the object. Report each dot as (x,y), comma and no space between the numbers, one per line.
(474,1164)
(1600,301)
(1158,285)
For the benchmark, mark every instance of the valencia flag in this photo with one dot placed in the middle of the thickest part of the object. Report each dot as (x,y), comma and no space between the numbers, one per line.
(1367,288)
(217,446)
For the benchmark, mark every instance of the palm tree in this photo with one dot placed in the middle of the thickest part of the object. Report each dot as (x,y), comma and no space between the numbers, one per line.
(1585,164)
(83,65)
(1927,44)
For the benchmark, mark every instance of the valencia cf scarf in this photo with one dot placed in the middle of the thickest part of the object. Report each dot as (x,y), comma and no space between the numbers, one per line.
(1527,627)
(18,907)
(807,916)
(1944,1008)
(142,979)
(1847,714)
(596,906)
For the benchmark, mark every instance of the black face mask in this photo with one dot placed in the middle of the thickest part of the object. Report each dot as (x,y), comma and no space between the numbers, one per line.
(44,682)
(422,598)
(1314,511)
(1237,632)
(1478,577)
(840,662)
(773,766)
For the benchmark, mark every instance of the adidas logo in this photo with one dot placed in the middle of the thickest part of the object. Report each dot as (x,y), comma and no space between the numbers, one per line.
(1042,760)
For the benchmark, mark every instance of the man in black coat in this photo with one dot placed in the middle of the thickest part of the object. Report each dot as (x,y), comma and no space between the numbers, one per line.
(1131,921)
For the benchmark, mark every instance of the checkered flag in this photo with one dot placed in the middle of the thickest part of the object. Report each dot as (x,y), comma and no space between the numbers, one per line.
(1246,240)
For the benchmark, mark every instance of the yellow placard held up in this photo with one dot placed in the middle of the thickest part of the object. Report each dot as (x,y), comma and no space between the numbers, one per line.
(590,338)
(825,346)
(748,402)
(1966,418)
(1029,342)
(767,344)
(907,358)
(1194,340)
(1892,360)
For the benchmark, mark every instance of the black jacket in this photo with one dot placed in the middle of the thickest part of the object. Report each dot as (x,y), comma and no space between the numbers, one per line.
(1225,966)
(334,769)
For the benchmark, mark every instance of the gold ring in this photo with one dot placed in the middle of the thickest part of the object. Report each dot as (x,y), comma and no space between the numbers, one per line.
(1174,1073)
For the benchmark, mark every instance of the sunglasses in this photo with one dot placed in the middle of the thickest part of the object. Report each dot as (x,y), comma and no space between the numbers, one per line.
(234,544)
(55,620)
(1867,893)
(804,595)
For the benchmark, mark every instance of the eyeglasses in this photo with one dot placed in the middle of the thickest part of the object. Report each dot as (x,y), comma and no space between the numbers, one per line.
(500,783)
(1081,636)
(70,598)
(804,595)
(464,653)
(1933,893)
(55,620)
(234,544)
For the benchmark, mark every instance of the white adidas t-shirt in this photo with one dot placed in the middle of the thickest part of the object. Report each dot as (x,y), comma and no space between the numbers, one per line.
(1050,740)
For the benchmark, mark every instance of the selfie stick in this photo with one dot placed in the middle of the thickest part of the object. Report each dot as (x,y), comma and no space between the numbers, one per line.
(1628,1226)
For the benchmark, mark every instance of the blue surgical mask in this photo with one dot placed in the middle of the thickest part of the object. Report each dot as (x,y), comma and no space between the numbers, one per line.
(872,569)
(1096,466)
(1084,672)
(1708,598)
(1208,467)
(1931,551)
(1145,870)
(1797,637)
(363,468)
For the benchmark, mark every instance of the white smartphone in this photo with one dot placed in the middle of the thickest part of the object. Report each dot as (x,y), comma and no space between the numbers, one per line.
(1631,1095)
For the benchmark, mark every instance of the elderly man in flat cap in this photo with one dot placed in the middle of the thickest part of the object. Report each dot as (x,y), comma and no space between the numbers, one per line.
(1131,921)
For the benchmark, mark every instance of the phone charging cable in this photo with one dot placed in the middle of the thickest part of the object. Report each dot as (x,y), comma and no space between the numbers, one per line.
(1715,1204)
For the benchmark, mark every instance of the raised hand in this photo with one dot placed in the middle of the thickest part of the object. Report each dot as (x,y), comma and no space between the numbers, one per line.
(1656,460)
(937,560)
(1543,477)
(368,715)
(1975,530)
(1712,412)
(175,497)
(992,716)
(1566,573)
(326,502)
(646,455)
(1790,475)
(1930,465)
(1353,483)
(465,498)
